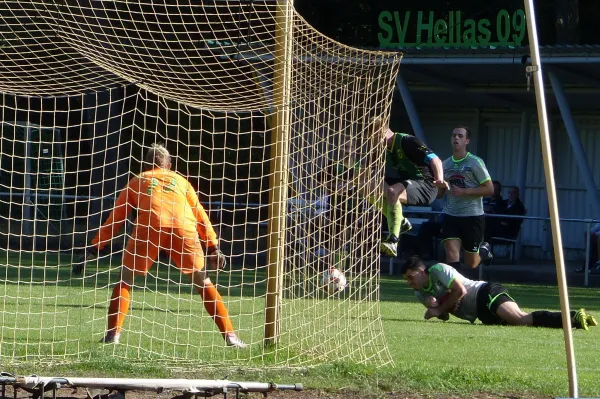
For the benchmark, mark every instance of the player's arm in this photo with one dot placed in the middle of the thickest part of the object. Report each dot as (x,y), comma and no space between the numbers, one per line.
(117,217)
(457,291)
(485,190)
(205,230)
(428,301)
(203,225)
(452,280)
(107,231)
(486,187)
(421,155)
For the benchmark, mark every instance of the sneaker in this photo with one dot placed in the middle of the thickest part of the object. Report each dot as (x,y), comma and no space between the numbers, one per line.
(485,252)
(591,321)
(111,337)
(405,227)
(233,341)
(389,246)
(580,320)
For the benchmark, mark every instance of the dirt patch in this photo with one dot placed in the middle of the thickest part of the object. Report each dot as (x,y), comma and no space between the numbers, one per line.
(82,393)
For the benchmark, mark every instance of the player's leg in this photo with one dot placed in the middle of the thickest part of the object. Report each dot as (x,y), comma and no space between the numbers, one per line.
(140,253)
(475,250)
(513,315)
(502,305)
(215,307)
(187,254)
(395,196)
(451,240)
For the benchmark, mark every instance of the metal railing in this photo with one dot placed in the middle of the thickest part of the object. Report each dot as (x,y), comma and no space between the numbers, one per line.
(299,204)
(588,223)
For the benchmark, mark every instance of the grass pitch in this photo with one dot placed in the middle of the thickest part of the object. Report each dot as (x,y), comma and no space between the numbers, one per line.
(431,357)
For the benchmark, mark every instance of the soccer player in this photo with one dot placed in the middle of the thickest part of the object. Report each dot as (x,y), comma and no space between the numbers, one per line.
(464,221)
(169,218)
(420,174)
(443,291)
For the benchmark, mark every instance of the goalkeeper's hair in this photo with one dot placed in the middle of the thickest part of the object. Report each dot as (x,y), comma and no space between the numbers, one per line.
(413,263)
(157,156)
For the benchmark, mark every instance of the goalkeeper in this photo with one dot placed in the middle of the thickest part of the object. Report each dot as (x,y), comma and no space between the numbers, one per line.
(169,218)
(445,291)
(420,174)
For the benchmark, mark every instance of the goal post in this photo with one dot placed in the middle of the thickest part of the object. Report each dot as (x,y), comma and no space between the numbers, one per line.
(279,169)
(269,121)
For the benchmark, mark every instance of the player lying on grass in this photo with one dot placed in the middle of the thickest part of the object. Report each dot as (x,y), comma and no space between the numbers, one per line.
(444,291)
(169,218)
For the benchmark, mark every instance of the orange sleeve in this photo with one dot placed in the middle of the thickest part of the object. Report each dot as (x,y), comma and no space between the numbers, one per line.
(116,218)
(203,225)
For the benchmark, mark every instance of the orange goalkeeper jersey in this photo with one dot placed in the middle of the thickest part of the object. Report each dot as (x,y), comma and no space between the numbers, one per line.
(163,199)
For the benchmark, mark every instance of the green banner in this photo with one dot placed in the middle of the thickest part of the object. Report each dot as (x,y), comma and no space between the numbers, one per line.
(423,29)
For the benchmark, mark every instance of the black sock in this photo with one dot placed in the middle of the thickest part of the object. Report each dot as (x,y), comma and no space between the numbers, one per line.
(544,318)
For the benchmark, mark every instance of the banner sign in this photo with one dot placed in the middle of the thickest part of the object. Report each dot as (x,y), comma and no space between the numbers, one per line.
(422,29)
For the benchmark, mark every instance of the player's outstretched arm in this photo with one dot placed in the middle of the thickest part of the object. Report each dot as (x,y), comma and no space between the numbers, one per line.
(112,225)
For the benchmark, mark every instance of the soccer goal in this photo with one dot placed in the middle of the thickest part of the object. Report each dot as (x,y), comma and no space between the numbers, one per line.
(271,123)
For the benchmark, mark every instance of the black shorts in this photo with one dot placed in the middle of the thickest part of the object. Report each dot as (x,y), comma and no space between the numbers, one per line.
(418,192)
(489,297)
(468,229)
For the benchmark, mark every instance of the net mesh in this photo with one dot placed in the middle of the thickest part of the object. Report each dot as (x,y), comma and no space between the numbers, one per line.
(88,86)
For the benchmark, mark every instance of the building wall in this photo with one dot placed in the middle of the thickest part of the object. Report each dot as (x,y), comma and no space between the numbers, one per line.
(497,140)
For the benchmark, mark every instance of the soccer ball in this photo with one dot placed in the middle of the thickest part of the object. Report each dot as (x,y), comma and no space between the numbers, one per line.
(334,280)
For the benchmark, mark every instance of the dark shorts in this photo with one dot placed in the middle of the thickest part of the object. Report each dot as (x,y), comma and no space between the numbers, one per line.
(418,192)
(489,297)
(468,229)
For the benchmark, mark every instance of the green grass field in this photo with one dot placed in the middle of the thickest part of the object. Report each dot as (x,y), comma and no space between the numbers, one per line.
(429,357)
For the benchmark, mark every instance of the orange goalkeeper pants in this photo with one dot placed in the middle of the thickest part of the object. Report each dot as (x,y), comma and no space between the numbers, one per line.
(182,246)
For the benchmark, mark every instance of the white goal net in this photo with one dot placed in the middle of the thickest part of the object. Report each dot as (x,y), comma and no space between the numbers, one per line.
(270,122)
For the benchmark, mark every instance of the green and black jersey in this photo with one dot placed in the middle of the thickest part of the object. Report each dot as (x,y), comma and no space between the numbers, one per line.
(410,158)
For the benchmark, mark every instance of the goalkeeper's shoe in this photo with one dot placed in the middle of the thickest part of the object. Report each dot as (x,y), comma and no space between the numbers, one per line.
(591,321)
(111,337)
(389,246)
(232,340)
(580,320)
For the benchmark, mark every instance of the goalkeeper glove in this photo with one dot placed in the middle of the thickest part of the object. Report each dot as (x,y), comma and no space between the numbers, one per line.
(90,254)
(216,258)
